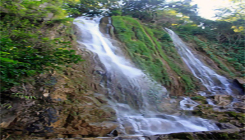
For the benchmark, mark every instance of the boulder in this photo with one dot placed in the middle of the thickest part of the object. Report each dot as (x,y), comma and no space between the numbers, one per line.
(238,85)
(222,100)
(239,106)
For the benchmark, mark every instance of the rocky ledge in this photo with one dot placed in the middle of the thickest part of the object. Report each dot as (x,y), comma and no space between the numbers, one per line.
(228,134)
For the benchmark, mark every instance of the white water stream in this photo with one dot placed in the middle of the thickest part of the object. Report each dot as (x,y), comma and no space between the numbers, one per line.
(136,98)
(216,84)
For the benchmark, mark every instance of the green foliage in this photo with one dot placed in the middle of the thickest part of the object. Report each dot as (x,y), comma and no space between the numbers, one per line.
(140,46)
(22,96)
(208,41)
(33,9)
(199,98)
(26,50)
(6,105)
(205,47)
(72,8)
(141,9)
(225,35)
(116,12)
(170,55)
(149,48)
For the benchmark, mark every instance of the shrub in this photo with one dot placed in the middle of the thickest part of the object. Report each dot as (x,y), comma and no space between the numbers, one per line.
(26,50)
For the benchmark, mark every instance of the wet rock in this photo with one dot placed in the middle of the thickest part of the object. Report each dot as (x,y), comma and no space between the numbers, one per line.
(205,135)
(239,106)
(103,24)
(226,126)
(100,97)
(238,86)
(222,100)
(240,80)
(99,70)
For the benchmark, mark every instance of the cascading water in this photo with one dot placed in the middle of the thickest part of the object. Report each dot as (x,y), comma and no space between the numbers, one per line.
(136,98)
(214,83)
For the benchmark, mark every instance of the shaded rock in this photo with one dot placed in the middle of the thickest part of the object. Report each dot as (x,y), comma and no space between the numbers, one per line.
(240,80)
(6,120)
(104,25)
(238,85)
(239,106)
(204,135)
(99,70)
(226,126)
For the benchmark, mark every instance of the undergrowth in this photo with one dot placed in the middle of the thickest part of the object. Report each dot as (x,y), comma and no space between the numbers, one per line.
(27,48)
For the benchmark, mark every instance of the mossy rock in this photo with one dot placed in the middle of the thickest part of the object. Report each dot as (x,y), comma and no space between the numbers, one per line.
(182,136)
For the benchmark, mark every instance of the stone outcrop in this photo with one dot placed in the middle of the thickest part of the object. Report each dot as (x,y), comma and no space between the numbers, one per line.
(72,103)
(229,134)
(65,103)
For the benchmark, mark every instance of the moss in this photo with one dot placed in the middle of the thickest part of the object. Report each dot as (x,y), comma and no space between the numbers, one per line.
(197,112)
(198,98)
(201,136)
(205,47)
(234,136)
(223,119)
(222,136)
(182,136)
(232,114)
(140,47)
(149,48)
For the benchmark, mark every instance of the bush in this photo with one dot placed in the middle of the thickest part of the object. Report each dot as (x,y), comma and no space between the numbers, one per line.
(26,50)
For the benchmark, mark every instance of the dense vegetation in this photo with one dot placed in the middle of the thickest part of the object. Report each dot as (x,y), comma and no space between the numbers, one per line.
(219,39)
(150,48)
(222,40)
(27,48)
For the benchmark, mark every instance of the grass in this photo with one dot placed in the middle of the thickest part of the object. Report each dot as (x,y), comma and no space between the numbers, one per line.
(148,47)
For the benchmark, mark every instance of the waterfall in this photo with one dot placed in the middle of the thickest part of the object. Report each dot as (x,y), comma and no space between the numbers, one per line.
(136,98)
(216,84)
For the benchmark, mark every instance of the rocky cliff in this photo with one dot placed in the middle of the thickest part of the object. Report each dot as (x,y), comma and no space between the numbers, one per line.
(72,102)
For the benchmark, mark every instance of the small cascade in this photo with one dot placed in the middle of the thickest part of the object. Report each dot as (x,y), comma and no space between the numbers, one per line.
(216,84)
(136,98)
(188,104)
(219,89)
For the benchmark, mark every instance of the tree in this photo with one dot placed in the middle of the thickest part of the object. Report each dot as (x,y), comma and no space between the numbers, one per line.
(142,9)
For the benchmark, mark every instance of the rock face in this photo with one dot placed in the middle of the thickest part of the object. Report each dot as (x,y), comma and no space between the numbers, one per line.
(71,103)
(63,112)
(238,84)
(210,135)
(228,134)
(62,104)
(222,100)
